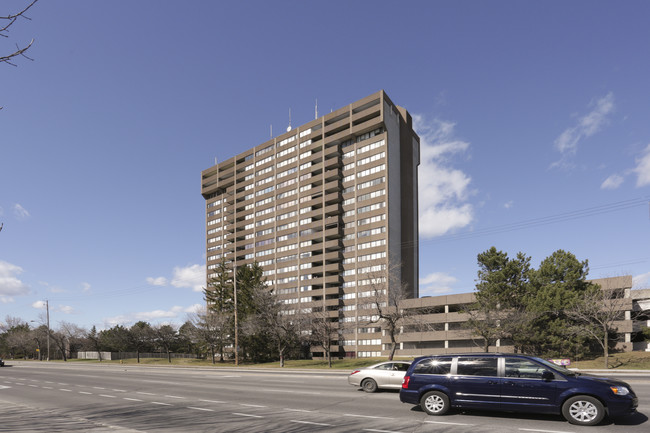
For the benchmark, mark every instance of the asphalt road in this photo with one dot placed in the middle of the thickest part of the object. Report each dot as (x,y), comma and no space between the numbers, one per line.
(51,397)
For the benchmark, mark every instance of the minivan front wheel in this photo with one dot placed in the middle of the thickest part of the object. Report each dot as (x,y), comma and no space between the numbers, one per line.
(435,403)
(583,410)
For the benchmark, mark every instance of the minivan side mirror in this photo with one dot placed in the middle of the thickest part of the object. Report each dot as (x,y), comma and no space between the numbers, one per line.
(547,376)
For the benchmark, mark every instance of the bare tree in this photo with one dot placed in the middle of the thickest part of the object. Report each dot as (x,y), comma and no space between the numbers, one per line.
(596,314)
(387,293)
(212,329)
(7,22)
(321,332)
(280,326)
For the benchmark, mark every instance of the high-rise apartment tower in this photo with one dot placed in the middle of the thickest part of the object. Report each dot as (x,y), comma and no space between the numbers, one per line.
(321,208)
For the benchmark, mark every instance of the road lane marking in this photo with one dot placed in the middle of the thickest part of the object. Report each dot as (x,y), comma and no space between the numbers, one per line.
(131,399)
(119,390)
(366,416)
(212,401)
(200,408)
(98,387)
(174,396)
(106,395)
(543,431)
(33,386)
(85,392)
(162,404)
(297,410)
(247,414)
(66,390)
(251,405)
(310,423)
(448,423)
(145,393)
(381,431)
(47,387)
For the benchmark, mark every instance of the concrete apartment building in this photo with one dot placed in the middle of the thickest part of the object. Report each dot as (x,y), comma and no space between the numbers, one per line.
(326,207)
(321,208)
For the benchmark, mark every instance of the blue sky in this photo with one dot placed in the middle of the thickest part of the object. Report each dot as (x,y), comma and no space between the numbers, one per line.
(534,119)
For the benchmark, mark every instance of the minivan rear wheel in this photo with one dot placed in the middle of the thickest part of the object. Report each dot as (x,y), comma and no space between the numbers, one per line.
(583,410)
(435,403)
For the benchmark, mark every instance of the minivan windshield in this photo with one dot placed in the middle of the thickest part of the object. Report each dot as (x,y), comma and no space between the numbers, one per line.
(555,367)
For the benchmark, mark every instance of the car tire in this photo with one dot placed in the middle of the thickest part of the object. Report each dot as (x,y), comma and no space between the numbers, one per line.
(583,410)
(369,385)
(435,403)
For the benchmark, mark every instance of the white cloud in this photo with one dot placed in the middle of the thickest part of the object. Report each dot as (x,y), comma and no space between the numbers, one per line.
(436,283)
(20,212)
(509,204)
(642,168)
(641,281)
(612,182)
(39,305)
(443,190)
(174,312)
(160,281)
(85,287)
(588,125)
(65,309)
(10,284)
(192,276)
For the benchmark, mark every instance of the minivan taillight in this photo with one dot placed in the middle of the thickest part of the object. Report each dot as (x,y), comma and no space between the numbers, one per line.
(405,382)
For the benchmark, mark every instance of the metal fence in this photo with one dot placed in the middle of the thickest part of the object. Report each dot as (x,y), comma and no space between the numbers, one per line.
(110,356)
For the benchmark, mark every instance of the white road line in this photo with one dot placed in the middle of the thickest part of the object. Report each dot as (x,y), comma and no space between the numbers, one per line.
(47,387)
(162,404)
(247,414)
(297,410)
(18,383)
(174,396)
(85,392)
(106,395)
(131,399)
(448,423)
(380,431)
(47,381)
(119,390)
(98,387)
(250,405)
(212,401)
(33,386)
(145,393)
(310,423)
(62,384)
(366,416)
(66,390)
(200,408)
(543,431)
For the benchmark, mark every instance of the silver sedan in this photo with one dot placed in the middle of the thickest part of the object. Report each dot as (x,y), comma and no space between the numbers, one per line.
(385,375)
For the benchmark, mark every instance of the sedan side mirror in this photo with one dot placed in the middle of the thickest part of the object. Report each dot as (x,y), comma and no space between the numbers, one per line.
(547,376)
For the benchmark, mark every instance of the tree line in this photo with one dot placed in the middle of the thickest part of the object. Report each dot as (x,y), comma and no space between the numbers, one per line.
(550,311)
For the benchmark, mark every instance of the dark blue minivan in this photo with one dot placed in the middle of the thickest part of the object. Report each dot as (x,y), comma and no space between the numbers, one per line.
(513,383)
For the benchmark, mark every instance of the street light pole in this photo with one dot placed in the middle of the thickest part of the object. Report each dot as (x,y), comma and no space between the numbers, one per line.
(47,308)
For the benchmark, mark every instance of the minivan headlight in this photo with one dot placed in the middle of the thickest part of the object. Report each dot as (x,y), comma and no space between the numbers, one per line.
(619,390)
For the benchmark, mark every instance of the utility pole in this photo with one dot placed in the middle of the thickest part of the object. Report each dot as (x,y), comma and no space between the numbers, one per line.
(47,308)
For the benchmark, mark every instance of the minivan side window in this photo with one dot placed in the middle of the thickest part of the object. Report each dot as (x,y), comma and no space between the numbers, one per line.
(433,366)
(523,368)
(477,366)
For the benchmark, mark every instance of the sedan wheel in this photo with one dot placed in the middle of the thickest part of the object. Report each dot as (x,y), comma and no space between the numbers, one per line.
(435,403)
(369,385)
(583,410)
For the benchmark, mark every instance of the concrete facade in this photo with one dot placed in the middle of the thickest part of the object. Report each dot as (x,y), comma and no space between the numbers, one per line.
(324,208)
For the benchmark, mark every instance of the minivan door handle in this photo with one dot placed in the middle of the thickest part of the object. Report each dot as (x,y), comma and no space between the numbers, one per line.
(492,382)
